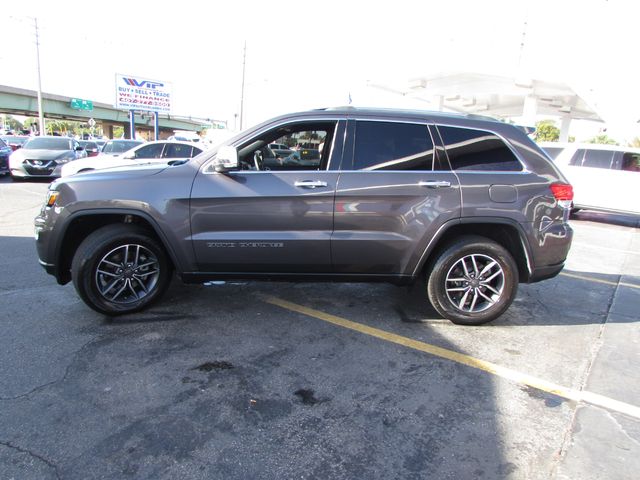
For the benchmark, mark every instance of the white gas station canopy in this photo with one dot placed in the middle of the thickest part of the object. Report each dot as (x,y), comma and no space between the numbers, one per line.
(498,96)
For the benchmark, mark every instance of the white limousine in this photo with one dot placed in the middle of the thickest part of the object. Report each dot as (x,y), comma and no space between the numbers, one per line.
(604,177)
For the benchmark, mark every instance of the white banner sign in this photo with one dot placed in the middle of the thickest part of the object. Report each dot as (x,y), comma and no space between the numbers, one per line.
(136,93)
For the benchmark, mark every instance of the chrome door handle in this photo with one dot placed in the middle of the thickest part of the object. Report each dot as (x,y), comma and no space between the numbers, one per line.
(434,184)
(310,184)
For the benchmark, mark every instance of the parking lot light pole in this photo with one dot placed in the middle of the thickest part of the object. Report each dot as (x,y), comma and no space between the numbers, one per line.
(156,130)
(132,124)
(40,112)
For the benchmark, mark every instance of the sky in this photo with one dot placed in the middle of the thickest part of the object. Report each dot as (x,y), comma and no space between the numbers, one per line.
(301,55)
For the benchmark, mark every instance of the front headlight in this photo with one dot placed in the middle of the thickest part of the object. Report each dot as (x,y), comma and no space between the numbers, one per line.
(67,157)
(52,196)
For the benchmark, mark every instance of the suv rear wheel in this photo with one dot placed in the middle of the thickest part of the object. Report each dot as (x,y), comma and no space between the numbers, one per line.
(120,269)
(472,281)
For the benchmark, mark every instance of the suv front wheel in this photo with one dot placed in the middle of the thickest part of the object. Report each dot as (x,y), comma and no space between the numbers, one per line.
(120,269)
(472,281)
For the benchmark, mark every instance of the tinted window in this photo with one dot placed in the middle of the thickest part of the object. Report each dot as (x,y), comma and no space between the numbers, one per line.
(585,157)
(2,144)
(177,150)
(392,146)
(631,162)
(150,151)
(477,150)
(598,158)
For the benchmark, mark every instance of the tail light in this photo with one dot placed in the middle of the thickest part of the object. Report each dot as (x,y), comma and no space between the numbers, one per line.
(563,193)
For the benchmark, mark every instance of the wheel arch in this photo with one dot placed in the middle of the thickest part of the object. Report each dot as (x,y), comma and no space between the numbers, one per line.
(503,231)
(80,224)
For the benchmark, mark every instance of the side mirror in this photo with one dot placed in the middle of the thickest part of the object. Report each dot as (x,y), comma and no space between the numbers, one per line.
(226,159)
(79,148)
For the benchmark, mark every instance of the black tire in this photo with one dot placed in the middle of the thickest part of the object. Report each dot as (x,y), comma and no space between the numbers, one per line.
(123,262)
(483,292)
(17,179)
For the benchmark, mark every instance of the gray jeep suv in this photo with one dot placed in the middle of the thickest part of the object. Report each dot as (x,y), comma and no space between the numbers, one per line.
(469,205)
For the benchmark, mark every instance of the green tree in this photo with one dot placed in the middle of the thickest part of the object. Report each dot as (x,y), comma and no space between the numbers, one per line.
(546,131)
(118,131)
(635,143)
(11,122)
(603,139)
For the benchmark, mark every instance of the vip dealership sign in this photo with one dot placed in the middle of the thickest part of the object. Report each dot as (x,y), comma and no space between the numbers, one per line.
(137,93)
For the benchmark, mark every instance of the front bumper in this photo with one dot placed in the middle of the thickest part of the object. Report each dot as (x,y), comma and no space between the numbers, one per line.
(35,171)
(46,241)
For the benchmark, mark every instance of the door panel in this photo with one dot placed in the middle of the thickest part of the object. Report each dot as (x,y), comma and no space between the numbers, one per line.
(384,220)
(263,222)
(391,202)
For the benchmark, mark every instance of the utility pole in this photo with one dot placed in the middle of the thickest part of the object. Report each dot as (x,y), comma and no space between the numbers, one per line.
(244,61)
(40,112)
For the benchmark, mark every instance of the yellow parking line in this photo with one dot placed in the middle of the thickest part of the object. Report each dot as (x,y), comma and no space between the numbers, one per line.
(599,280)
(507,373)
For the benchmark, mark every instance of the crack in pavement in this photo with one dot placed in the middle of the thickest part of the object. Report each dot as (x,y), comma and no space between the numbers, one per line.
(44,460)
(66,372)
(97,339)
(620,427)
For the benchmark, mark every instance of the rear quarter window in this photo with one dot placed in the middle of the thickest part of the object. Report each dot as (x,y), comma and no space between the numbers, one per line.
(553,152)
(477,150)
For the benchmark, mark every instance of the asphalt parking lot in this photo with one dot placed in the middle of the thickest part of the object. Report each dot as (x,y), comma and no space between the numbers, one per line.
(245,380)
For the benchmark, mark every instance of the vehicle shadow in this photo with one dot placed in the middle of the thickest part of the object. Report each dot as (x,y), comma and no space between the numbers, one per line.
(620,219)
(7,179)
(217,380)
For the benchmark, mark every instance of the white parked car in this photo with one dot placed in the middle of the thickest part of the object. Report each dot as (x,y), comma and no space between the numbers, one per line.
(144,153)
(604,177)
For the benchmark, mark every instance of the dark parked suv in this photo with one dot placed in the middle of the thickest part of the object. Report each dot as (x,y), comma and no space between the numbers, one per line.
(469,205)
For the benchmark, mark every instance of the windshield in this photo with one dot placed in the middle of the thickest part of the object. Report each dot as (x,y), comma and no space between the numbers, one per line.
(42,143)
(119,147)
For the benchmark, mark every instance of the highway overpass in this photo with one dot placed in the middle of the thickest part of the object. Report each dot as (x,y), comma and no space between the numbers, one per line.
(18,101)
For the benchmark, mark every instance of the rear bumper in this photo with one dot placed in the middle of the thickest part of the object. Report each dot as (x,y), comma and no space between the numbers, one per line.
(545,273)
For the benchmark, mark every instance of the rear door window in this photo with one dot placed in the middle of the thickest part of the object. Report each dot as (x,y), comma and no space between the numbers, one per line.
(177,150)
(150,151)
(392,146)
(477,150)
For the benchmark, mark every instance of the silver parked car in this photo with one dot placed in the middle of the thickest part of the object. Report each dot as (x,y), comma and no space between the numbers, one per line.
(43,157)
(467,205)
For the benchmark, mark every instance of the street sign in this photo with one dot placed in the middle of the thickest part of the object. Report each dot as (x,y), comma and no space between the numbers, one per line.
(92,122)
(79,104)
